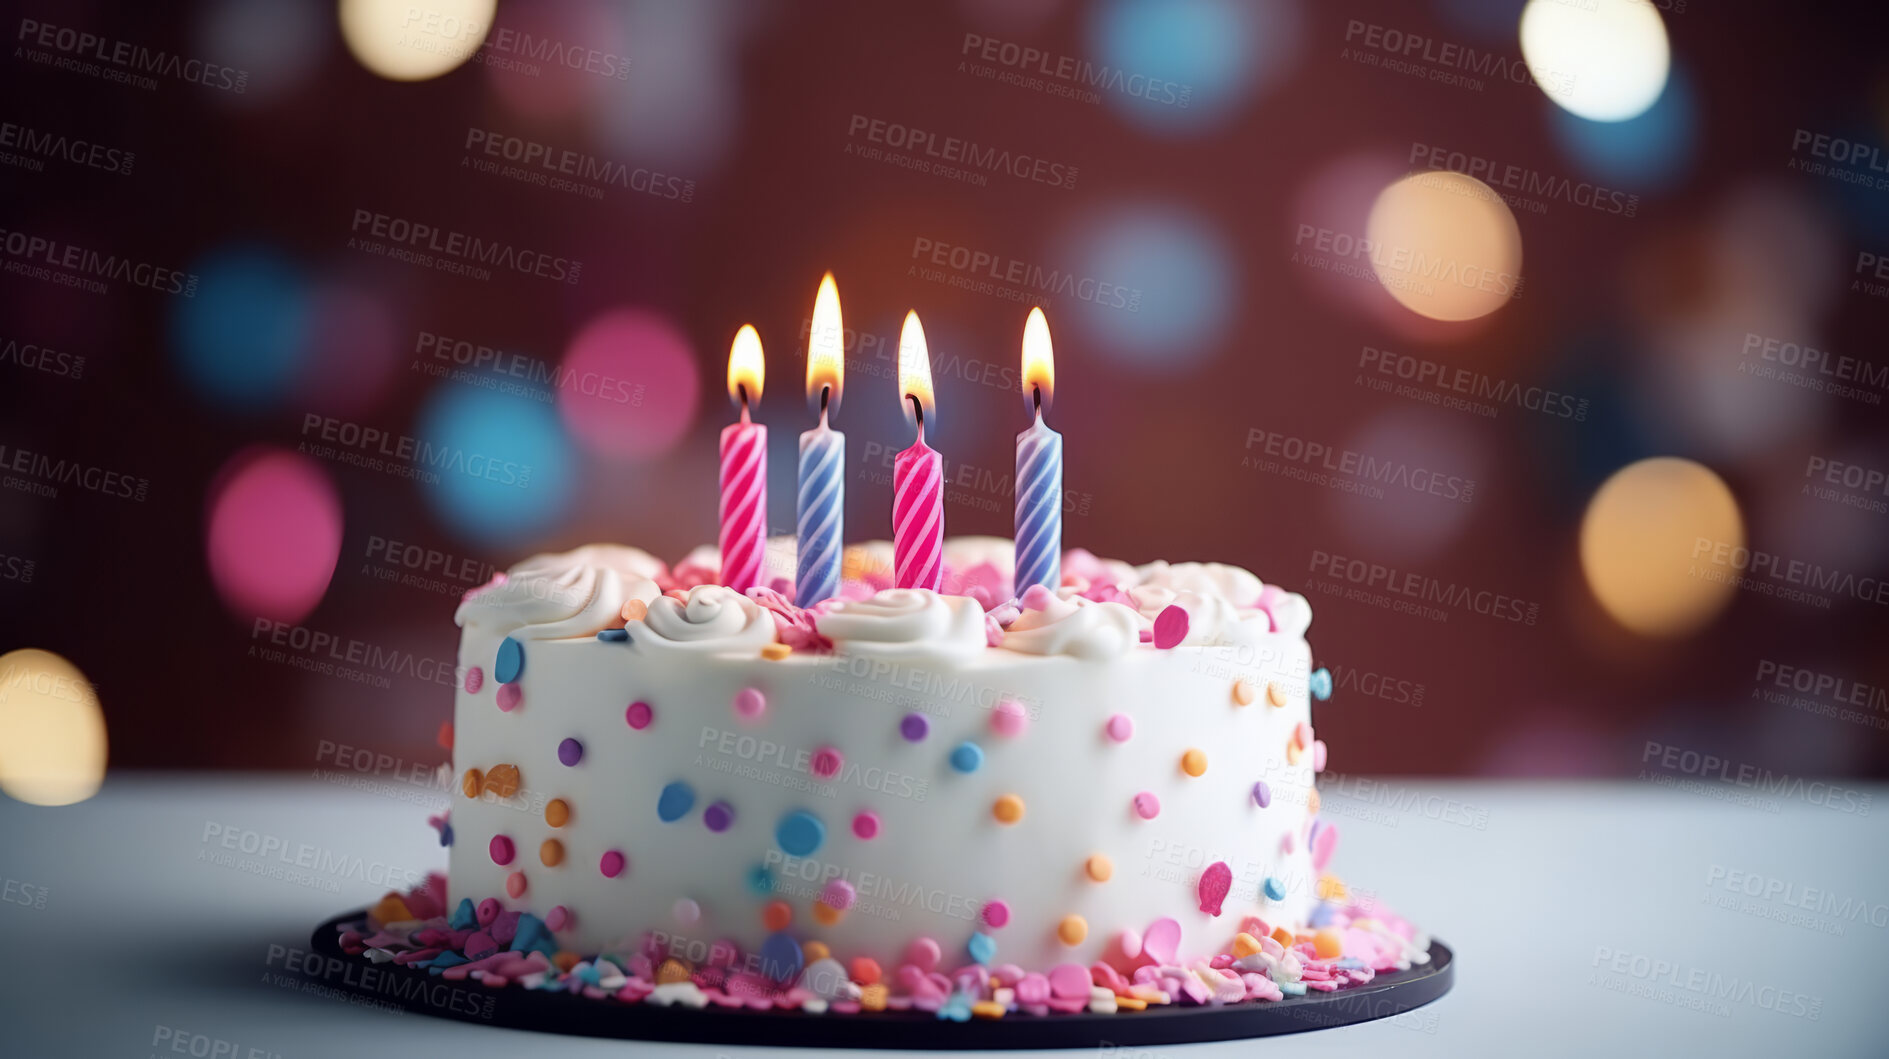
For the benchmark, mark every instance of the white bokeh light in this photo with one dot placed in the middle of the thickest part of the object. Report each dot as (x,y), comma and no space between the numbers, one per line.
(1604,62)
(407,42)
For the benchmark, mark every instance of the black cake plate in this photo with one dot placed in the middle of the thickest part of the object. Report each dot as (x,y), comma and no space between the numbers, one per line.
(415,990)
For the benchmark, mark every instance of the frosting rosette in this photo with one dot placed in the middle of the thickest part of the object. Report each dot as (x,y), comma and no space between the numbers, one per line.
(1211,620)
(564,594)
(905,622)
(1231,583)
(708,618)
(1069,624)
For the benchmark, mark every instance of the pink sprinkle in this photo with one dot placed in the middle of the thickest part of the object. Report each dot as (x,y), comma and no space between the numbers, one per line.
(1286,845)
(1162,941)
(750,703)
(1147,806)
(612,864)
(838,894)
(558,918)
(1318,755)
(509,696)
(1302,734)
(1036,597)
(827,762)
(502,850)
(923,954)
(487,911)
(639,715)
(1170,627)
(1009,718)
(866,825)
(1121,727)
(475,679)
(1214,884)
(1069,981)
(997,913)
(515,884)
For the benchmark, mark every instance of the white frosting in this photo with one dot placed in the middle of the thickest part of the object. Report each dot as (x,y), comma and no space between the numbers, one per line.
(714,618)
(1074,626)
(1292,615)
(1235,585)
(906,622)
(557,595)
(1211,620)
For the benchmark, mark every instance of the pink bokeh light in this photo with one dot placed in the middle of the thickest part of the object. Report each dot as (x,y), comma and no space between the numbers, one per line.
(628,388)
(273,534)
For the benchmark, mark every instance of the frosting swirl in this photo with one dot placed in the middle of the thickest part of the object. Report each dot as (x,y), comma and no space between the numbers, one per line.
(1211,619)
(564,594)
(905,622)
(1071,625)
(1231,583)
(711,618)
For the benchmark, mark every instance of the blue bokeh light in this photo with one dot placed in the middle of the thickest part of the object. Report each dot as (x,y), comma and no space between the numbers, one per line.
(500,466)
(1647,153)
(1184,65)
(1162,286)
(242,340)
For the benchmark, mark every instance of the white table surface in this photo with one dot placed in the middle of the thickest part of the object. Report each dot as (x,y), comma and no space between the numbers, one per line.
(122,933)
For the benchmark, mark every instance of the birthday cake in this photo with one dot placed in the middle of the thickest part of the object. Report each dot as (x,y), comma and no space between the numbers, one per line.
(966,801)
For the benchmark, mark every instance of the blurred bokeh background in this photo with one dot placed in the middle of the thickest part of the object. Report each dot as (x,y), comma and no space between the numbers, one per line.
(1542,350)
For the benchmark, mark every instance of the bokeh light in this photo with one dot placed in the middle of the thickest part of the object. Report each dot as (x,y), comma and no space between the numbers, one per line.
(273,534)
(496,466)
(679,108)
(1186,65)
(277,43)
(1639,155)
(556,88)
(1605,60)
(1153,287)
(628,386)
(52,732)
(1445,245)
(1424,474)
(1640,542)
(243,339)
(403,41)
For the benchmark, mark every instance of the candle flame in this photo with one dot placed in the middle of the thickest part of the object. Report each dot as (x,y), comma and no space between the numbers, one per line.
(1039,362)
(745,366)
(914,368)
(826,345)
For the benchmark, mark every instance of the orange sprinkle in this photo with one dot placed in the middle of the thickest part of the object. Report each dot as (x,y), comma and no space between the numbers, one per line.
(1099,867)
(1274,695)
(865,970)
(635,610)
(1312,801)
(775,915)
(1129,1003)
(815,950)
(872,998)
(1008,810)
(1282,936)
(1072,930)
(1194,763)
(774,652)
(1243,693)
(672,970)
(473,783)
(503,780)
(551,853)
(1330,888)
(826,915)
(515,884)
(1245,944)
(557,812)
(391,909)
(565,960)
(1327,944)
(987,1009)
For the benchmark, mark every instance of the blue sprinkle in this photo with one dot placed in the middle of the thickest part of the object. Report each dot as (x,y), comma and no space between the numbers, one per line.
(533,936)
(1291,988)
(982,947)
(1321,684)
(800,833)
(675,802)
(445,834)
(760,880)
(446,959)
(1322,916)
(1275,889)
(464,917)
(614,635)
(968,757)
(511,661)
(957,1008)
(781,958)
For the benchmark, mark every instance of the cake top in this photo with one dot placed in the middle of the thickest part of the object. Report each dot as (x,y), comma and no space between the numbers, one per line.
(1103,608)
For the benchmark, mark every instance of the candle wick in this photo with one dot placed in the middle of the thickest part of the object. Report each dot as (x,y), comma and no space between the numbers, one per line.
(742,388)
(918,413)
(1036,398)
(826,393)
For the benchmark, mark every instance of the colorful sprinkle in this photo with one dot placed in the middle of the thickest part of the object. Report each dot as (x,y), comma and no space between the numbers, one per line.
(1323,842)
(781,958)
(1214,884)
(719,817)
(1328,944)
(923,954)
(614,635)
(503,781)
(968,757)
(675,802)
(914,727)
(776,915)
(1275,889)
(1243,692)
(634,610)
(1009,718)
(1072,930)
(1008,810)
(1262,794)
(487,911)
(774,652)
(1318,755)
(685,912)
(515,884)
(827,762)
(473,783)
(1170,627)
(1194,763)
(475,679)
(551,853)
(982,947)
(1245,945)
(509,696)
(816,951)
(1070,981)
(750,704)
(511,661)
(1302,735)
(1321,684)
(826,915)
(866,825)
(613,864)
(558,918)
(639,715)
(760,880)
(557,812)
(864,970)
(1121,727)
(800,833)
(1274,695)
(838,894)
(996,914)
(1099,867)
(1147,806)
(502,850)
(570,752)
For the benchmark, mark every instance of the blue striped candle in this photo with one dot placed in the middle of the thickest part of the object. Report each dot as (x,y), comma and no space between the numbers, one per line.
(822,499)
(1039,507)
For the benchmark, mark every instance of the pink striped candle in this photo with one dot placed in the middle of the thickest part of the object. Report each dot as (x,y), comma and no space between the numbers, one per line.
(744,469)
(917,474)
